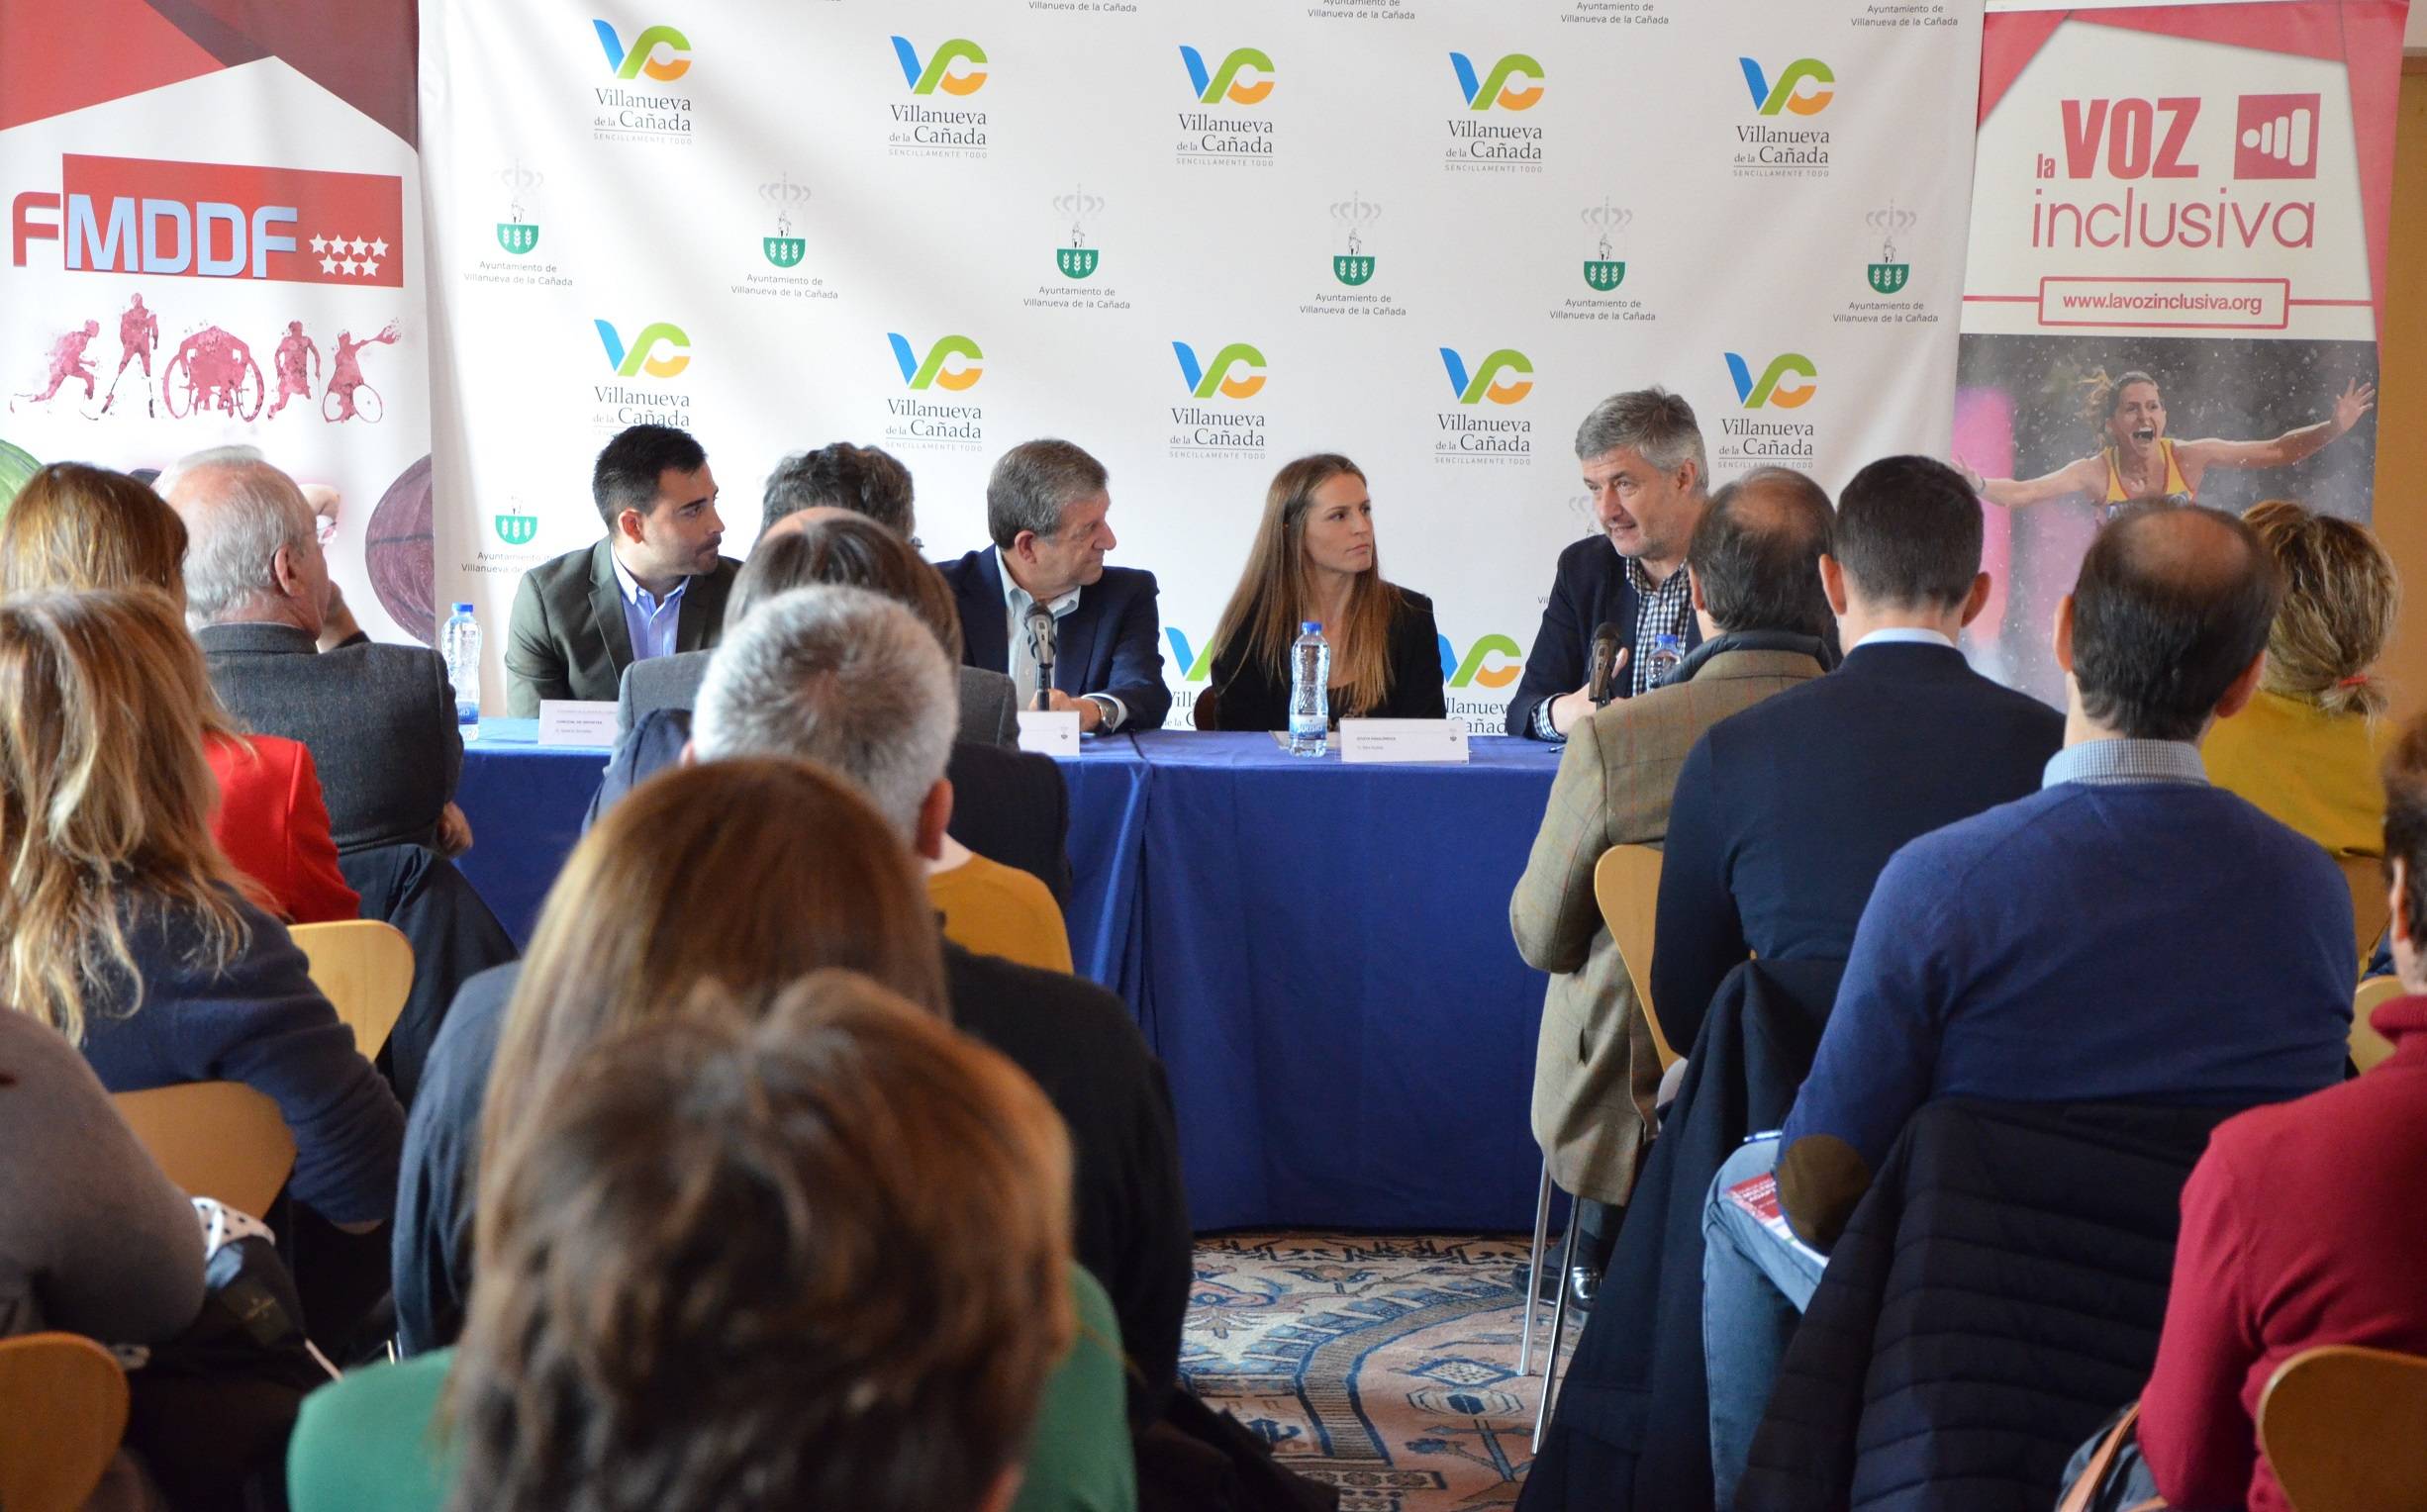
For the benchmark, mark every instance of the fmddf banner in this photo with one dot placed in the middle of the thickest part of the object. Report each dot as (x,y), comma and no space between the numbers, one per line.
(215,234)
(1200,241)
(2177,244)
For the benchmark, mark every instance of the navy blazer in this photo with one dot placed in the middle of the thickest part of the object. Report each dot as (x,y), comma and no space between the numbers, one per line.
(1590,590)
(1111,644)
(1787,814)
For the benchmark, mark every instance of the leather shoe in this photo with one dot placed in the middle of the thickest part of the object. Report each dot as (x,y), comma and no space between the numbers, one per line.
(1583,1282)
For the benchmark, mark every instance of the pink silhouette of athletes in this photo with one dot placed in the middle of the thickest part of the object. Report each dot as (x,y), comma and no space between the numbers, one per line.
(346,379)
(138,336)
(220,374)
(68,360)
(297,361)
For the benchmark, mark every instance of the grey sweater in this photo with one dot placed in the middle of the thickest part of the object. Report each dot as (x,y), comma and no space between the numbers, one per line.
(93,1238)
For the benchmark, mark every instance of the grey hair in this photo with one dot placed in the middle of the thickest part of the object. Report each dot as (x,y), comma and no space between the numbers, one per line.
(1033,483)
(238,510)
(866,480)
(1653,421)
(843,677)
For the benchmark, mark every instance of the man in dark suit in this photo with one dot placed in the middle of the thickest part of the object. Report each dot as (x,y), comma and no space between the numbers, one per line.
(1786,813)
(1642,457)
(1045,509)
(652,586)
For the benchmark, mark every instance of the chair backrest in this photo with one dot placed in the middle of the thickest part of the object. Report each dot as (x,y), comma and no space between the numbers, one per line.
(2342,1427)
(62,1412)
(214,1139)
(1205,710)
(2371,910)
(2368,1047)
(364,967)
(1626,883)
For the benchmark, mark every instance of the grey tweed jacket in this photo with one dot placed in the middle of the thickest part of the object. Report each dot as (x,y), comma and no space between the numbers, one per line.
(380,720)
(990,704)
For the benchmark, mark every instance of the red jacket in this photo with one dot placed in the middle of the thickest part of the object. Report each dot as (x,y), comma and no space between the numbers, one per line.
(274,825)
(2303,1225)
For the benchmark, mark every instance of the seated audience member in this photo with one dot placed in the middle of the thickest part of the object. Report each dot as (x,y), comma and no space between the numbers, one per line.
(1009,806)
(652,586)
(2305,750)
(2303,1224)
(2128,933)
(127,930)
(1046,508)
(1641,453)
(765,1218)
(1314,560)
(990,709)
(1786,813)
(1756,592)
(866,480)
(73,527)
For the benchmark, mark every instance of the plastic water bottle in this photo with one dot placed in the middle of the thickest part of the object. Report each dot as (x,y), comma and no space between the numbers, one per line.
(1667,652)
(459,643)
(1309,690)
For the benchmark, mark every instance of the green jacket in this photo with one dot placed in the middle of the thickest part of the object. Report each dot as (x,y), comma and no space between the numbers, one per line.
(566,638)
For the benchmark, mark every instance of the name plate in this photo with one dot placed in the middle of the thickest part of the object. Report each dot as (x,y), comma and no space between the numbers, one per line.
(1403,740)
(1050,732)
(578,722)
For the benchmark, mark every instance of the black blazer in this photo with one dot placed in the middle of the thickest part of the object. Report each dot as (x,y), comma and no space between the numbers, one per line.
(1110,643)
(1010,806)
(1786,813)
(1250,695)
(1590,590)
(380,720)
(566,637)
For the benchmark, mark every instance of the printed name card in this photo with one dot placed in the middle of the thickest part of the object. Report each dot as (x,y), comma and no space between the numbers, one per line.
(1050,732)
(578,722)
(1403,740)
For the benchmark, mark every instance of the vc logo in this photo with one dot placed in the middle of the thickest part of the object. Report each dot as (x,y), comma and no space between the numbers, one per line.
(643,356)
(1486,384)
(932,372)
(936,70)
(1771,388)
(1497,88)
(1788,93)
(1202,381)
(644,59)
(1458,672)
(1224,83)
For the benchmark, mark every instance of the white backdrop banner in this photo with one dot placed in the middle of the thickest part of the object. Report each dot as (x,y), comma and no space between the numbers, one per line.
(1198,241)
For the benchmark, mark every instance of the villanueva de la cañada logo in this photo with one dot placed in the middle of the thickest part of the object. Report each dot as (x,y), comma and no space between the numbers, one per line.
(1605,226)
(651,63)
(1355,265)
(1201,427)
(1604,270)
(658,349)
(1774,144)
(1888,275)
(1787,381)
(1077,259)
(782,203)
(518,232)
(1226,126)
(1502,380)
(782,248)
(922,126)
(1480,138)
(953,363)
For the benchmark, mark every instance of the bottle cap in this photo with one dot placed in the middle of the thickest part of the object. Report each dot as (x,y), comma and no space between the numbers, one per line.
(1310,625)
(463,609)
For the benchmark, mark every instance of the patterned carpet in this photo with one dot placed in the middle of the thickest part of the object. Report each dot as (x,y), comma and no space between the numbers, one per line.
(1382,1364)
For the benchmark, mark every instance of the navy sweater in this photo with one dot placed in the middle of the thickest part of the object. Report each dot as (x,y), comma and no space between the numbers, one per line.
(264,1024)
(2160,943)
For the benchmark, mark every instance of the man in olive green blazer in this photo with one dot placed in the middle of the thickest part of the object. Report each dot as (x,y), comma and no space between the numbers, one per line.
(654,585)
(1756,587)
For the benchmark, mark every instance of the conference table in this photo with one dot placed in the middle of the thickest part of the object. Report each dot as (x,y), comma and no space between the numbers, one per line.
(1318,951)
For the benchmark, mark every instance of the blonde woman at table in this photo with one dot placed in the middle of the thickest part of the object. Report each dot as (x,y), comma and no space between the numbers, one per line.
(1315,559)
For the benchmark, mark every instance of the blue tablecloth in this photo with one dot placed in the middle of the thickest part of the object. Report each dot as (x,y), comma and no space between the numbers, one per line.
(1319,953)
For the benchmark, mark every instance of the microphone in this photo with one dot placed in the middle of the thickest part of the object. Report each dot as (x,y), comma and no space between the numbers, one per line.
(1041,641)
(1604,661)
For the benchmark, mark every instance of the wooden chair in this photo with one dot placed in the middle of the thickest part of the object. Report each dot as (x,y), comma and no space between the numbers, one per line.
(214,1139)
(364,967)
(2368,1047)
(1205,710)
(62,1412)
(2342,1427)
(1626,883)
(2371,908)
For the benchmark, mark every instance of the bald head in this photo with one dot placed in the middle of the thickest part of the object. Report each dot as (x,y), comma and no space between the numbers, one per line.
(252,545)
(2169,617)
(1756,554)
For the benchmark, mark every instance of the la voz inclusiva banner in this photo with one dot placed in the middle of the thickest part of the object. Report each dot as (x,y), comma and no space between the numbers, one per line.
(2196,196)
(1198,241)
(215,238)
